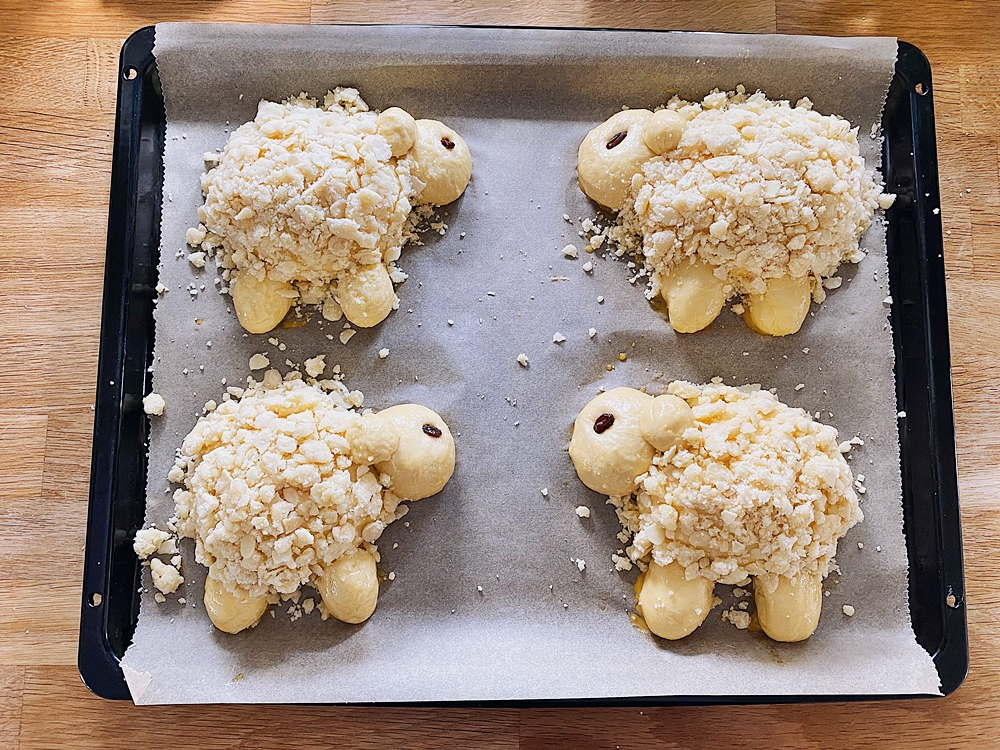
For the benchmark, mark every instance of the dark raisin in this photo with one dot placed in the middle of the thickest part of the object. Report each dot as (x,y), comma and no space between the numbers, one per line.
(603,422)
(619,137)
(431,430)
(448,143)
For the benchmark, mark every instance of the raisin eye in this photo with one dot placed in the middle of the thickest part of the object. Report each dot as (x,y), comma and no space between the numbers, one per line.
(448,143)
(619,137)
(603,422)
(429,429)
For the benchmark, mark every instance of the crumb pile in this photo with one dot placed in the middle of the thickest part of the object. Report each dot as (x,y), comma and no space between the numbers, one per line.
(307,192)
(758,189)
(756,488)
(271,494)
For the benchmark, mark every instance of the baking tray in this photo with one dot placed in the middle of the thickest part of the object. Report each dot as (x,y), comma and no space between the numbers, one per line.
(112,574)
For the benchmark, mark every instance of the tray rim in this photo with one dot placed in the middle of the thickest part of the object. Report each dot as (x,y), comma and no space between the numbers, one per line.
(98,664)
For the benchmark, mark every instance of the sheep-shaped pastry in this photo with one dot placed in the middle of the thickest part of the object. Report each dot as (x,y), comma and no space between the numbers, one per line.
(288,486)
(734,197)
(312,204)
(717,484)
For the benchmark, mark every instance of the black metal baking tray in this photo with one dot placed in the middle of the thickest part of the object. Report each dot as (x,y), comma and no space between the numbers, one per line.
(110,598)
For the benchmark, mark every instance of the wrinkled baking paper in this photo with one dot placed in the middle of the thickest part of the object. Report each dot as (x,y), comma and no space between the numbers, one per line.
(540,628)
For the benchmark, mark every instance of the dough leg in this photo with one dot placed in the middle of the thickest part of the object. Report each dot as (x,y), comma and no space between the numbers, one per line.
(230,612)
(781,309)
(694,296)
(791,612)
(349,587)
(671,605)
(366,296)
(260,305)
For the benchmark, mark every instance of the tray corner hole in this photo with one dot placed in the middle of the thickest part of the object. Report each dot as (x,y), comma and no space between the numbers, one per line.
(130,74)
(95,599)
(922,89)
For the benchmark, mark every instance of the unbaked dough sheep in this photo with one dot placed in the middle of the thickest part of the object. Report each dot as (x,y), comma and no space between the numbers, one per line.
(308,203)
(728,483)
(734,197)
(288,486)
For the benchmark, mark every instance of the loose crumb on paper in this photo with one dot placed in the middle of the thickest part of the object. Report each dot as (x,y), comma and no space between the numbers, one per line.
(259,361)
(153,404)
(316,365)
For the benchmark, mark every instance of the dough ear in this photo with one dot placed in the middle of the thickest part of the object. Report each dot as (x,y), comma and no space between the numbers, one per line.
(399,128)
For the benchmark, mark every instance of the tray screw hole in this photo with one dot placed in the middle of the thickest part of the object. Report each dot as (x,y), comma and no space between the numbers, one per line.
(96,599)
(921,89)
(131,74)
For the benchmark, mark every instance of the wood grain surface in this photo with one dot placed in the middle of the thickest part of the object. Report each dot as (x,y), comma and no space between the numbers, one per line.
(58,66)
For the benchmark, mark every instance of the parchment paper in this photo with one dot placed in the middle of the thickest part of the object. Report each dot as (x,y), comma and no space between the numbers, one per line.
(540,628)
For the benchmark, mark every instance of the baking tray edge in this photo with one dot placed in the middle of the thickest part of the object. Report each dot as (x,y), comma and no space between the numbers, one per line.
(920,332)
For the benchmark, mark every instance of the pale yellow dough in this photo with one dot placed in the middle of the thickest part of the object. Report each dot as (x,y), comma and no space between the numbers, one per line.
(399,128)
(664,421)
(791,612)
(607,161)
(366,296)
(719,484)
(349,587)
(261,304)
(441,160)
(672,605)
(735,196)
(232,611)
(424,462)
(610,461)
(310,203)
(288,486)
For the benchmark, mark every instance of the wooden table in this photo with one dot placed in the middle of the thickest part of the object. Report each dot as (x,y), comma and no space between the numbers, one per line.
(58,64)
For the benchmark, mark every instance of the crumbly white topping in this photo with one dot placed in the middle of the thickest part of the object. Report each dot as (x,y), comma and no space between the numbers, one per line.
(271,494)
(148,541)
(756,188)
(166,578)
(153,404)
(258,361)
(756,488)
(306,192)
(316,365)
